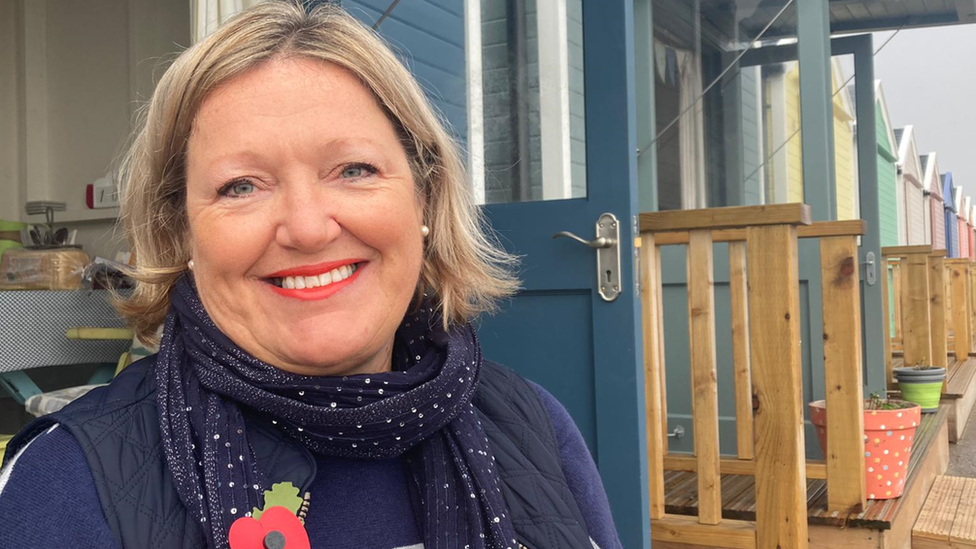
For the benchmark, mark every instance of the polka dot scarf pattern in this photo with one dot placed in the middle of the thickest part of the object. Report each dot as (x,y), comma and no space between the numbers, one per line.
(422,410)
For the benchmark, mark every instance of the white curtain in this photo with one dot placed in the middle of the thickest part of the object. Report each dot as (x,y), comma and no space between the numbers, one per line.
(691,129)
(207,15)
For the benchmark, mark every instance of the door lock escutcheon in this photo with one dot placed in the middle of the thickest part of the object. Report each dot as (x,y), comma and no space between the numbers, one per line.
(607,246)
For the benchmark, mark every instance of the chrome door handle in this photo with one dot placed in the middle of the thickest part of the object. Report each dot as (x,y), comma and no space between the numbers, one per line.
(607,246)
(600,242)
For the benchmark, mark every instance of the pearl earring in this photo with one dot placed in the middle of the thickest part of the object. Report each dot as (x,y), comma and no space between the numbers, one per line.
(424,230)
(190,264)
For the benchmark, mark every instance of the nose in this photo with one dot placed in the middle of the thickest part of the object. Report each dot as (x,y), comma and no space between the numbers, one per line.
(306,218)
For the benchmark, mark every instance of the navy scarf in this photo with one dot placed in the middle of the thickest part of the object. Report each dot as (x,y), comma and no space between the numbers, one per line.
(422,411)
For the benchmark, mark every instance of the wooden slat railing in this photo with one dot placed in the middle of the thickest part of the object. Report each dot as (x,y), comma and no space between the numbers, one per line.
(925,304)
(896,286)
(845,398)
(741,355)
(765,324)
(961,313)
(937,311)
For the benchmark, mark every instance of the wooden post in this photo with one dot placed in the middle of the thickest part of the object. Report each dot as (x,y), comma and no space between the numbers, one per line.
(704,378)
(937,312)
(650,281)
(842,370)
(660,352)
(972,301)
(774,321)
(886,311)
(739,295)
(896,286)
(959,275)
(916,311)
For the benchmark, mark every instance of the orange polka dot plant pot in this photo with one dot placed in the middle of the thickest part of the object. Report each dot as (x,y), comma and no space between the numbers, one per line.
(888,439)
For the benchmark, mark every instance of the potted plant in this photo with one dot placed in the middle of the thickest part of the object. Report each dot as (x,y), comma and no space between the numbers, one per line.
(889,432)
(921,384)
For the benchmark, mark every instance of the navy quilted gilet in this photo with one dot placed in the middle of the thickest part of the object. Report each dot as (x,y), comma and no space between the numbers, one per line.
(118,430)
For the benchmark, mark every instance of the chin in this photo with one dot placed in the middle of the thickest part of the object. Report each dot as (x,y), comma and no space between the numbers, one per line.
(324,356)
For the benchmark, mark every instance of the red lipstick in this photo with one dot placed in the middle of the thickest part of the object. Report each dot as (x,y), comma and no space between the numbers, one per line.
(320,292)
(313,270)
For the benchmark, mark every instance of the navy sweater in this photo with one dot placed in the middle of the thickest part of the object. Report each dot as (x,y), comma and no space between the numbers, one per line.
(48,497)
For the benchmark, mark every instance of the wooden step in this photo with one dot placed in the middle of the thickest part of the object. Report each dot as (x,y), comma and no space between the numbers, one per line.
(948,518)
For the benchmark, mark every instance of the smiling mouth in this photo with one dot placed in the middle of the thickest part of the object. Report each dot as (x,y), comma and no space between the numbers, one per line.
(326,278)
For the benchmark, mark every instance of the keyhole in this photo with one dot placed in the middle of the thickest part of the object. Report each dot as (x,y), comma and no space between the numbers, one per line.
(608,276)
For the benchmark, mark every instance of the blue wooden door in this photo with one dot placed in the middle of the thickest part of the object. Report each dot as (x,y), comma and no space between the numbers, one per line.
(555,98)
(559,331)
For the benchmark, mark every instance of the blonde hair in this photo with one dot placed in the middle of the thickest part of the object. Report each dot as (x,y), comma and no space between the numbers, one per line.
(464,268)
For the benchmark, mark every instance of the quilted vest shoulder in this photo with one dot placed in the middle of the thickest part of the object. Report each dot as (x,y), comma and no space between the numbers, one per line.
(544,511)
(118,430)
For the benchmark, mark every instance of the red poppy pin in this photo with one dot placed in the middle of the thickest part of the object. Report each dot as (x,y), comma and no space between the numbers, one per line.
(280,525)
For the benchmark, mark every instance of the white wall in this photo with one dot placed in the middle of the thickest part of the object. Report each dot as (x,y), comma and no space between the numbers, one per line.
(72,73)
(9,135)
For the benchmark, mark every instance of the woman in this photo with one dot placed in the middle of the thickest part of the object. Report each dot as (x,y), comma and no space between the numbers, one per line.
(305,237)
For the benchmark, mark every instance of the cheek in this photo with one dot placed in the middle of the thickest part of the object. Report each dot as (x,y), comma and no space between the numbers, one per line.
(223,244)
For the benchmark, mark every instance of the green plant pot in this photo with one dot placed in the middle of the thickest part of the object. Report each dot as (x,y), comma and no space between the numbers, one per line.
(926,394)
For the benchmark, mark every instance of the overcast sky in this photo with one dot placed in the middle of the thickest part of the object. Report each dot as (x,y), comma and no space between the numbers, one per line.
(929,79)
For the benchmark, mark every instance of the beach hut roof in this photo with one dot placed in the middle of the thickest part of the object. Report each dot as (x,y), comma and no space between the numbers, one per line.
(908,155)
(957,199)
(947,191)
(932,183)
(967,208)
(883,103)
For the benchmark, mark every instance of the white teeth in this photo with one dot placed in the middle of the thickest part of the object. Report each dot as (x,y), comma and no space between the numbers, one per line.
(324,279)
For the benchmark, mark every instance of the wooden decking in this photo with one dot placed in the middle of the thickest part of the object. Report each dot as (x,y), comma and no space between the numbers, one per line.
(882,523)
(960,392)
(948,518)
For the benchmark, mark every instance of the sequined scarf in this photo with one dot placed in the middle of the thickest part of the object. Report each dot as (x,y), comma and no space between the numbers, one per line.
(422,410)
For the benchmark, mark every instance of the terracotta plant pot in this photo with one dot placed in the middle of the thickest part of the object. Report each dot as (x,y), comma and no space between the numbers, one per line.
(923,387)
(888,439)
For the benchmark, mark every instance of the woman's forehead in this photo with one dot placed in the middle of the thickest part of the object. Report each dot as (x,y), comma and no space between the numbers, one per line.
(288,95)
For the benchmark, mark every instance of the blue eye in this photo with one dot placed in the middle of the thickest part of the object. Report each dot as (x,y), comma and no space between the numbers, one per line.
(357,171)
(353,172)
(238,188)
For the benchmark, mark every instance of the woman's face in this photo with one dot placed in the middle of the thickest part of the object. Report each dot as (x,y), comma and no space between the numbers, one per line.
(296,178)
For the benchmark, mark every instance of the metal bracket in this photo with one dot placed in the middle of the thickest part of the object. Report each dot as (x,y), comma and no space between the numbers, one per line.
(870,271)
(607,245)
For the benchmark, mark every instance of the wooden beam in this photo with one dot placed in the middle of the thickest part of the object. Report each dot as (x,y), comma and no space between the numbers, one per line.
(739,304)
(937,313)
(916,315)
(731,534)
(650,280)
(704,377)
(843,372)
(774,319)
(854,227)
(725,218)
(905,251)
(816,469)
